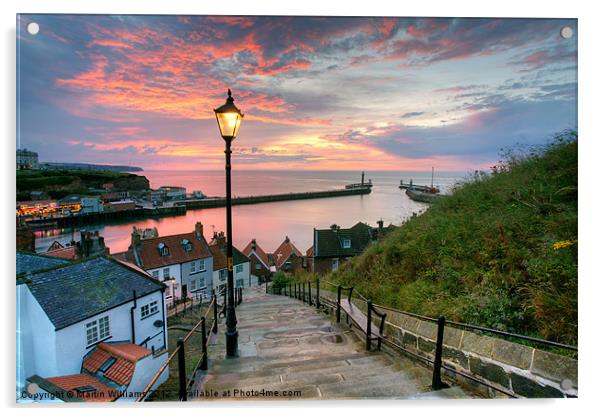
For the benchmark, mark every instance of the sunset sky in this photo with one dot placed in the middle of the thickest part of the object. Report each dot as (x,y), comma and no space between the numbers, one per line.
(317,92)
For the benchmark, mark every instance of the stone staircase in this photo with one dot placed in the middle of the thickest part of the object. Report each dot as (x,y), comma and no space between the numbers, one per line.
(287,350)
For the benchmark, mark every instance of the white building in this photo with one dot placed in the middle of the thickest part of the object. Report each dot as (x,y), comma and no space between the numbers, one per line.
(26,159)
(182,261)
(91,204)
(68,311)
(241,265)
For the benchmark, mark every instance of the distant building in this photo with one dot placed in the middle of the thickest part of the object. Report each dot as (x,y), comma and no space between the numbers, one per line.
(115,196)
(90,244)
(26,159)
(241,265)
(39,208)
(260,262)
(182,261)
(96,324)
(335,245)
(146,233)
(168,193)
(198,195)
(287,257)
(91,205)
(123,205)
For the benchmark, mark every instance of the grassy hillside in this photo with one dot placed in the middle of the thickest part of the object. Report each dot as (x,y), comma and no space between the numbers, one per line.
(500,252)
(59,183)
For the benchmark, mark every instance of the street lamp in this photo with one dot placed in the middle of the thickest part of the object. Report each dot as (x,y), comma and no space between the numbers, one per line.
(228,119)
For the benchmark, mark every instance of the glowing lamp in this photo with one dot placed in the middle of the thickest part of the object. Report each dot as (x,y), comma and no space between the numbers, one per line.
(229,118)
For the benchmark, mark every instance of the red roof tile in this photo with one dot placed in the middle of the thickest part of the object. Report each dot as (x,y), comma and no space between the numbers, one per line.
(150,258)
(102,392)
(258,252)
(284,251)
(63,253)
(122,370)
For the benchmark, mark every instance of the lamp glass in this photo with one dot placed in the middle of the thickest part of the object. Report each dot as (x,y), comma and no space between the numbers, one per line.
(229,124)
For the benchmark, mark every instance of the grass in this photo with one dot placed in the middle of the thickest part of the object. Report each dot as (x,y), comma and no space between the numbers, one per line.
(178,327)
(501,252)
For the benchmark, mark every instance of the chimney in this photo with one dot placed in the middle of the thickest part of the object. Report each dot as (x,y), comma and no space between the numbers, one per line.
(219,239)
(253,245)
(287,240)
(198,230)
(135,240)
(380,224)
(92,244)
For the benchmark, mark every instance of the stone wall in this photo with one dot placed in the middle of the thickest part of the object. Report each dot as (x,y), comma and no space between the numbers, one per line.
(518,369)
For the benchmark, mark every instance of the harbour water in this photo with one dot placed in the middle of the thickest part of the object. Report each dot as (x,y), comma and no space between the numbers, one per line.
(269,223)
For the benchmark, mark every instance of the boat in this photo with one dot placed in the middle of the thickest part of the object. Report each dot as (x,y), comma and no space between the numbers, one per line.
(423,196)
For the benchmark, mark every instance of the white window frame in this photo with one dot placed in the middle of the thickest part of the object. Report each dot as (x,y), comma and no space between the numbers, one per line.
(166,275)
(155,274)
(193,267)
(98,330)
(149,309)
(239,268)
(192,284)
(346,243)
(202,265)
(335,264)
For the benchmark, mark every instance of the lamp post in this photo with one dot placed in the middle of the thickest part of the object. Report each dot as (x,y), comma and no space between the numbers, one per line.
(228,119)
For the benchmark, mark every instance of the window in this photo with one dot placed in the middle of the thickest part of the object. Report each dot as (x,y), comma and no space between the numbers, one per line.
(222,274)
(193,267)
(335,264)
(346,243)
(201,282)
(155,274)
(97,330)
(163,249)
(239,268)
(187,245)
(201,265)
(193,284)
(240,283)
(166,274)
(258,266)
(149,309)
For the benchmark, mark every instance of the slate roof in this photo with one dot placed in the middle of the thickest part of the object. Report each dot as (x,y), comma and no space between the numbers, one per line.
(219,257)
(147,254)
(284,251)
(79,291)
(30,262)
(329,242)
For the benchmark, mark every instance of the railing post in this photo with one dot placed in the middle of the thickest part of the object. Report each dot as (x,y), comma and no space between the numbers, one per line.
(309,293)
(266,285)
(290,291)
(214,313)
(303,292)
(241,295)
(338,304)
(225,298)
(295,285)
(204,346)
(182,371)
(369,326)
(317,293)
(437,384)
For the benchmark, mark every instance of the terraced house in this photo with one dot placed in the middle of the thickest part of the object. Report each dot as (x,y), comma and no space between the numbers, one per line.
(182,261)
(93,328)
(242,265)
(335,245)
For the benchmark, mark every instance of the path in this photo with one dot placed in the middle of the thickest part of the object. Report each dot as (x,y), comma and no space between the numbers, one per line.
(287,350)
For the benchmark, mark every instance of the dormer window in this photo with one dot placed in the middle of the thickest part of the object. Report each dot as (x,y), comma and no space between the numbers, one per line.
(187,245)
(346,243)
(163,249)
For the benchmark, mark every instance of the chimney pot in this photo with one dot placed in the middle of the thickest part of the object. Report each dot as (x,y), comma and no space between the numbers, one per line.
(198,229)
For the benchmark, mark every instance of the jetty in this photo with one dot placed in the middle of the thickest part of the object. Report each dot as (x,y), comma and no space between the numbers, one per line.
(181,207)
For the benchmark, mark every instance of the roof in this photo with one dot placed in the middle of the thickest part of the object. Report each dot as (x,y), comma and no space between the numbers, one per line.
(101,392)
(310,252)
(31,262)
(78,291)
(64,253)
(125,356)
(284,251)
(329,242)
(148,256)
(219,257)
(258,252)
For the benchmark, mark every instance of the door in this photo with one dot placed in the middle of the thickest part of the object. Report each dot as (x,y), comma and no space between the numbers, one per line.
(184,291)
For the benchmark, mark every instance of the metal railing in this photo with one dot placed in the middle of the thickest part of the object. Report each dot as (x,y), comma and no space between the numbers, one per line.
(297,291)
(184,383)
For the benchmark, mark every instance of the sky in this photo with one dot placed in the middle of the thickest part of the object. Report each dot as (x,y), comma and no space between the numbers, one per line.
(318,93)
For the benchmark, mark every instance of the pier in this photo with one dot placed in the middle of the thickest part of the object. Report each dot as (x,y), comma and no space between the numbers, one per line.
(180,208)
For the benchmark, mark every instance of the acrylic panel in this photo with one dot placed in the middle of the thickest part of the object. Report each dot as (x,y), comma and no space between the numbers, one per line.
(232,208)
